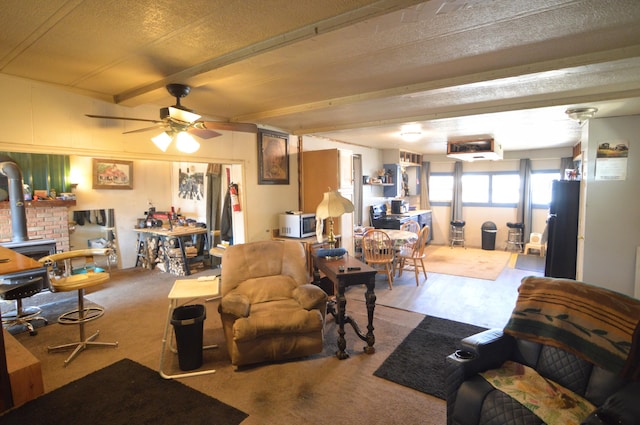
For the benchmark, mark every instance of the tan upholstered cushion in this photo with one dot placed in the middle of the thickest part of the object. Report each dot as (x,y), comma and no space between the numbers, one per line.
(276,318)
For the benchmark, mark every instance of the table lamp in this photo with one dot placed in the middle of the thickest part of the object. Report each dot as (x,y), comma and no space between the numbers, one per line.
(333,205)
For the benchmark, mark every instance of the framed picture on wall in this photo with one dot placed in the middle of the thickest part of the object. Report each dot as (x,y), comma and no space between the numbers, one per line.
(273,157)
(112,174)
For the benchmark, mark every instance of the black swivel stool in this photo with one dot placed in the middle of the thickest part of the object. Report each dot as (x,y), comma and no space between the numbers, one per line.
(515,241)
(456,234)
(17,289)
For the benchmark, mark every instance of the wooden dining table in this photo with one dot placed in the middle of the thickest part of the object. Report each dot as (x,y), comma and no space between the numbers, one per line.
(400,237)
(12,264)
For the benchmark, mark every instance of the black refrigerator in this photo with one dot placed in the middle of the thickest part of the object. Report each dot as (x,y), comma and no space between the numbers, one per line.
(562,228)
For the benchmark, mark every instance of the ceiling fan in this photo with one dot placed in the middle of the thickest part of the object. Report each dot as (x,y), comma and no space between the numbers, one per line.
(180,122)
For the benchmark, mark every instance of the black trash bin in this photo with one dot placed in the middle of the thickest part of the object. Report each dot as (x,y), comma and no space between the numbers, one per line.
(187,323)
(489,230)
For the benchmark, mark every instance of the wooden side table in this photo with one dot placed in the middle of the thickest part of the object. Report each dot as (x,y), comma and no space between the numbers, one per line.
(344,272)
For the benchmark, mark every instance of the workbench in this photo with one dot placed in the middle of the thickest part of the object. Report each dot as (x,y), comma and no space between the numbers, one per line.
(174,250)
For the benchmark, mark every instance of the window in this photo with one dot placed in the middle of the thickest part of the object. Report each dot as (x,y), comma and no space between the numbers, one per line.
(505,188)
(491,189)
(440,188)
(541,187)
(475,188)
(499,189)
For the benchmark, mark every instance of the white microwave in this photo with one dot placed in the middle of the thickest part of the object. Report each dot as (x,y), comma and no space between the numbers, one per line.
(297,225)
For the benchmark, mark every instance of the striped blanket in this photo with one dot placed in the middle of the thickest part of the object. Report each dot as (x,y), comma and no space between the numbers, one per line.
(596,324)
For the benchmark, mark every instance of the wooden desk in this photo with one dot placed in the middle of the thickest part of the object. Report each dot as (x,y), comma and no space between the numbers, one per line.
(12,264)
(155,245)
(342,279)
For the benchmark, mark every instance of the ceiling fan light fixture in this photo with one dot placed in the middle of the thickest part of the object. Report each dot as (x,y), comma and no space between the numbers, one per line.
(183,115)
(162,141)
(581,115)
(186,143)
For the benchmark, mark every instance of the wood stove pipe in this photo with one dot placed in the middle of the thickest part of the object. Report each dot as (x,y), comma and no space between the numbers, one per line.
(10,168)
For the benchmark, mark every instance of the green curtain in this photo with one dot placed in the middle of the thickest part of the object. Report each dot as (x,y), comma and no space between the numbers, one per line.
(42,171)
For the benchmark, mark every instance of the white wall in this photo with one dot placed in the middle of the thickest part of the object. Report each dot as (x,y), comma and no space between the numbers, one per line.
(476,216)
(612,213)
(44,119)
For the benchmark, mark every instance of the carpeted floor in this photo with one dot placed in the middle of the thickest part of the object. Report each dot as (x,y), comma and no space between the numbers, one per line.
(418,362)
(467,262)
(534,263)
(136,396)
(298,391)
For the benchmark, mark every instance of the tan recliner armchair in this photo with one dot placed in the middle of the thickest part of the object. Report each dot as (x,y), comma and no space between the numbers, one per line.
(269,310)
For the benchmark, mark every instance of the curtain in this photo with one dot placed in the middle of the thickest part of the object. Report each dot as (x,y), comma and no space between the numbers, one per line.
(42,171)
(523,214)
(456,199)
(214,188)
(425,172)
(565,164)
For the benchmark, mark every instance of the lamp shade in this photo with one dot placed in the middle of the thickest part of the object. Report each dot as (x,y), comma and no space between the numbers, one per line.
(186,143)
(333,205)
(162,141)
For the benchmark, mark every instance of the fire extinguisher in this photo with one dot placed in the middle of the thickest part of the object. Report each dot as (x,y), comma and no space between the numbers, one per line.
(235,203)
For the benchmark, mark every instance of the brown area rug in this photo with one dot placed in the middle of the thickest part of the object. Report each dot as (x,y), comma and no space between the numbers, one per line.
(467,262)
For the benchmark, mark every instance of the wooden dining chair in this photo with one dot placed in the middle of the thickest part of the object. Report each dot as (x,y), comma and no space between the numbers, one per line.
(415,255)
(378,250)
(410,226)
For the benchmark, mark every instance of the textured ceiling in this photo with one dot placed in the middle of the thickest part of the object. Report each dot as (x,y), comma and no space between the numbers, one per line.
(350,70)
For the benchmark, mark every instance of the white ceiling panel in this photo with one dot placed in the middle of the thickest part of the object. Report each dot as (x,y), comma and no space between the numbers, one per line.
(351,70)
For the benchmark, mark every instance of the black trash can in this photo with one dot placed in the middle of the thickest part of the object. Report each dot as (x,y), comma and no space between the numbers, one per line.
(489,230)
(187,323)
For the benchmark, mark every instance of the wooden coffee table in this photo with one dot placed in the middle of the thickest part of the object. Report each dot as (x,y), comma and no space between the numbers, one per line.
(345,272)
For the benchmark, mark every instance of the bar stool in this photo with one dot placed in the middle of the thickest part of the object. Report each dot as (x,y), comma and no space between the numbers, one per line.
(514,237)
(456,234)
(63,277)
(17,289)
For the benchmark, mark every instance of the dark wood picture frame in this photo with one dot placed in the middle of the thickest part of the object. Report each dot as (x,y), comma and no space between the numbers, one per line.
(273,157)
(112,174)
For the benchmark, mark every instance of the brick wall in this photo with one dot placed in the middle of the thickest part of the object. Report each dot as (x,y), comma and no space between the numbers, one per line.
(43,222)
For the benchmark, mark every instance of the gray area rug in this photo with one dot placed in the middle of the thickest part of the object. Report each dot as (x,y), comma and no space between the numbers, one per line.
(124,393)
(52,306)
(419,361)
(533,263)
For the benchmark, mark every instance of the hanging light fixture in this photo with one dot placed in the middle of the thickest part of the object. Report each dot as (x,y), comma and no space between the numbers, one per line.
(581,114)
(162,141)
(184,141)
(411,132)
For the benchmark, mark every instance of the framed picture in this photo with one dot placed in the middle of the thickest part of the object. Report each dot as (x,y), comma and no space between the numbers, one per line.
(112,174)
(273,157)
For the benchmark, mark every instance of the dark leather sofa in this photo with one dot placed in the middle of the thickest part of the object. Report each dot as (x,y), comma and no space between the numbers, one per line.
(471,399)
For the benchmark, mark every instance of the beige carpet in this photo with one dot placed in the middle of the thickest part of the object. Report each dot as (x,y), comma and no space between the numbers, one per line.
(467,262)
(319,389)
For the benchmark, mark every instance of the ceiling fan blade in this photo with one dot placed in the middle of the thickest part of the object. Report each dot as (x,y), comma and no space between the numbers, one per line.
(183,115)
(140,130)
(203,133)
(230,126)
(123,118)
